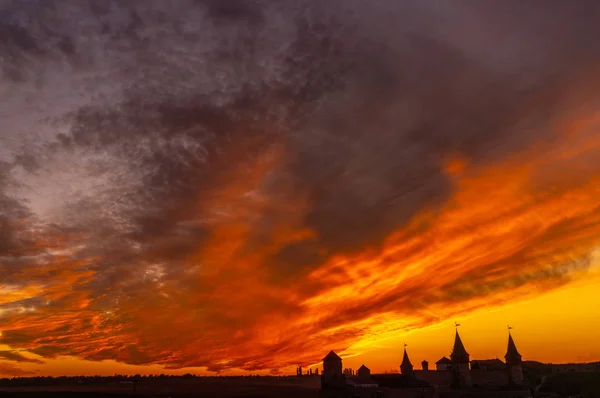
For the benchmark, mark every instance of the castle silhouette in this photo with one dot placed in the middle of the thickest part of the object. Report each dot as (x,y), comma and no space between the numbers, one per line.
(457,376)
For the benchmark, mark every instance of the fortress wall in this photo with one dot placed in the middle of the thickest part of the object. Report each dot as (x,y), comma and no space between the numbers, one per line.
(435,377)
(489,377)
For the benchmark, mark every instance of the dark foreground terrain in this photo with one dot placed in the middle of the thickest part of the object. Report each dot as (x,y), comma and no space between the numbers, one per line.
(573,384)
(205,388)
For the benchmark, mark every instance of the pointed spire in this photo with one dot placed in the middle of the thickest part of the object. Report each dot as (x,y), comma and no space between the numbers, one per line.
(459,353)
(512,355)
(405,359)
(406,367)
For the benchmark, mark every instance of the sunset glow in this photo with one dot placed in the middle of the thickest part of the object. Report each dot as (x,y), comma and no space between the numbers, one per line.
(166,212)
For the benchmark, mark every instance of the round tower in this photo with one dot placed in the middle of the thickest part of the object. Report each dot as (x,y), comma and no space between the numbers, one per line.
(514,364)
(460,363)
(332,375)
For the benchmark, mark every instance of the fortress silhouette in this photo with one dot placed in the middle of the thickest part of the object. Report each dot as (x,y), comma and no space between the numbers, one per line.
(456,376)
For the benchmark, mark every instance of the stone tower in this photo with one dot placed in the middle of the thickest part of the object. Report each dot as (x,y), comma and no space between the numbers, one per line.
(460,364)
(363,371)
(514,364)
(406,367)
(332,375)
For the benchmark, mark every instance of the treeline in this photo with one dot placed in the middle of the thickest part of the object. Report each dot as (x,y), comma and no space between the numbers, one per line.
(115,379)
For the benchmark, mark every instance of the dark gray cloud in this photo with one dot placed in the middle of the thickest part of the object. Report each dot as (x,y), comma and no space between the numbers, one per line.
(367,119)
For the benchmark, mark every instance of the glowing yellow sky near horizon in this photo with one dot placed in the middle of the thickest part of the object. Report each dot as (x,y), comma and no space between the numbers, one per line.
(557,327)
(554,327)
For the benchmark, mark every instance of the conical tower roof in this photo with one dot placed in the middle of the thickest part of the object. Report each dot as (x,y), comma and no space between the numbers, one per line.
(332,355)
(405,360)
(444,361)
(459,353)
(512,355)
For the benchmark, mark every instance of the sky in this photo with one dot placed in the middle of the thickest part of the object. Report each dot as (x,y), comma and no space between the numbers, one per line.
(239,187)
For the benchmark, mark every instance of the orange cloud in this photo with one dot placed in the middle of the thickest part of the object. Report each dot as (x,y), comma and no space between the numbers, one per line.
(18,357)
(9,369)
(498,239)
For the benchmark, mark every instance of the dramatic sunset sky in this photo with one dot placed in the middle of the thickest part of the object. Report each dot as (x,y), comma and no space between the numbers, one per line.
(240,186)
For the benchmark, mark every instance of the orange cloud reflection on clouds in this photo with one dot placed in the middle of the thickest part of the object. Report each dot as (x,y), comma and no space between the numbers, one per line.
(500,238)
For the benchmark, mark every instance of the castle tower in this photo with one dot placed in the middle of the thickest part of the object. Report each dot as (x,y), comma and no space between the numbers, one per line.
(443,364)
(363,371)
(460,363)
(332,375)
(514,364)
(406,367)
(425,365)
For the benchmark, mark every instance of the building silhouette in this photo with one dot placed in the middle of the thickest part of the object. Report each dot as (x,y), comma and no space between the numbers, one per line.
(453,377)
(514,364)
(443,364)
(460,364)
(332,376)
(337,384)
(406,367)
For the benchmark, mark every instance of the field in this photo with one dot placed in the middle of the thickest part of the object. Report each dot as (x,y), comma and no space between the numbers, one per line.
(177,388)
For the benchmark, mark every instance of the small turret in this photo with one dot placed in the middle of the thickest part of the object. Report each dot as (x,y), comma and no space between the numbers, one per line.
(443,364)
(363,371)
(425,365)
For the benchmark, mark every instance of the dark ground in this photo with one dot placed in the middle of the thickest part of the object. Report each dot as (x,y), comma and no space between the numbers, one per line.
(210,388)
(573,384)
